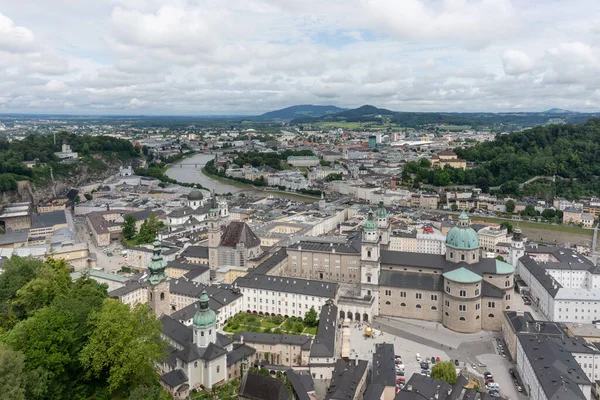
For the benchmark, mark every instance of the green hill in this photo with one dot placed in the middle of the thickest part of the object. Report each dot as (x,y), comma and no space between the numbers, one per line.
(306,110)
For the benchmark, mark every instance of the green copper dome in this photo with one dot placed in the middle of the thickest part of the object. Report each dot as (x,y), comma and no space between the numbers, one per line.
(204,317)
(462,236)
(381,211)
(157,265)
(370,224)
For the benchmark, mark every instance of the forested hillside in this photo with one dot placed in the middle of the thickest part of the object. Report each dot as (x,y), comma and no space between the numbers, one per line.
(571,152)
(61,339)
(93,151)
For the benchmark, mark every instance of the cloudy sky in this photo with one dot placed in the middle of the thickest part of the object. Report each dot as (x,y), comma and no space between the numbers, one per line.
(249,56)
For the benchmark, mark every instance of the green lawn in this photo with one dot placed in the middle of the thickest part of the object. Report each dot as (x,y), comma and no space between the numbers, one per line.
(242,322)
(455,128)
(545,232)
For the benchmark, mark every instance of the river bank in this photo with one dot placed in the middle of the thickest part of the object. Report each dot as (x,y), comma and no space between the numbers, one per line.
(248,186)
(190,171)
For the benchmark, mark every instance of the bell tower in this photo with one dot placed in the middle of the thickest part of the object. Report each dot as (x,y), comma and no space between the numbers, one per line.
(370,258)
(159,295)
(383,224)
(204,324)
(517,248)
(214,233)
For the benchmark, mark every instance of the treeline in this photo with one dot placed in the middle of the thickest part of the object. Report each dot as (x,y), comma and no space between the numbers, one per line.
(369,113)
(61,339)
(569,152)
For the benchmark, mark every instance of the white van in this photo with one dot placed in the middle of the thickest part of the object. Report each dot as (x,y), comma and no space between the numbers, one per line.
(492,385)
(418,357)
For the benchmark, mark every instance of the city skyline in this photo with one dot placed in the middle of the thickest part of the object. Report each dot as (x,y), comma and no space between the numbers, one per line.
(209,58)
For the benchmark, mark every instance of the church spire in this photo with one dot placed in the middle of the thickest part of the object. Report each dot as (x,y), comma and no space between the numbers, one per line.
(157,265)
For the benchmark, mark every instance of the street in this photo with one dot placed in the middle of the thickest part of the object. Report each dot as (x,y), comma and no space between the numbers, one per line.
(109,263)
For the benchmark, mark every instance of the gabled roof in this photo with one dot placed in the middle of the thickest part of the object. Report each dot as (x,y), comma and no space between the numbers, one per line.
(259,387)
(174,378)
(238,232)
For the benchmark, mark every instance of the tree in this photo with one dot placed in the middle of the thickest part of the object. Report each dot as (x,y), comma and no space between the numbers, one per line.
(444,370)
(12,374)
(123,346)
(508,226)
(149,229)
(529,211)
(129,229)
(88,196)
(147,392)
(454,207)
(549,213)
(424,163)
(310,318)
(510,206)
(52,338)
(51,280)
(500,258)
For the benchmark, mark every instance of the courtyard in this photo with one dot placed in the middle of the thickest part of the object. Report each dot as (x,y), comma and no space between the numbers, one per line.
(243,322)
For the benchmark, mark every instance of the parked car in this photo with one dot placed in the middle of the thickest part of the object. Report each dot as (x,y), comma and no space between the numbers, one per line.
(489,380)
(494,393)
(397,358)
(456,362)
(527,302)
(401,379)
(433,360)
(418,356)
(437,359)
(482,365)
(487,374)
(492,385)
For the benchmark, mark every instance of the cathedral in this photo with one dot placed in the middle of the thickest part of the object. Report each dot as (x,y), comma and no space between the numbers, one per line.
(193,216)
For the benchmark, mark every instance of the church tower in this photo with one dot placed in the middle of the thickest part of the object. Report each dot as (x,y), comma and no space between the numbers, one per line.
(158,283)
(517,248)
(369,258)
(383,224)
(204,324)
(214,233)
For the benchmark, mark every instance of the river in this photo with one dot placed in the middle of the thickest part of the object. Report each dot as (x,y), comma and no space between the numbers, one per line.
(189,170)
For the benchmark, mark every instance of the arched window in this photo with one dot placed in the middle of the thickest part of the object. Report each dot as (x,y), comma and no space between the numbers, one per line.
(473,256)
(433,307)
(369,253)
(490,315)
(402,304)
(418,306)
(196,364)
(476,292)
(477,317)
(447,314)
(162,296)
(462,257)
(218,369)
(451,254)
(462,319)
(508,307)
(388,303)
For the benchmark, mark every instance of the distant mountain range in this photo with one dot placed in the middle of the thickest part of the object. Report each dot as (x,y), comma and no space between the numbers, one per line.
(305,114)
(305,110)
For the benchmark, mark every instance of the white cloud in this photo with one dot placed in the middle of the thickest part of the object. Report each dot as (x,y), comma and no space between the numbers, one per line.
(14,39)
(183,56)
(516,62)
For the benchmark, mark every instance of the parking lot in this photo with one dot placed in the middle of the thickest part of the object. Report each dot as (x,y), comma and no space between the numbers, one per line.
(432,339)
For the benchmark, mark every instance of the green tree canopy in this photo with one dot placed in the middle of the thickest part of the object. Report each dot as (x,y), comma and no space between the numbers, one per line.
(124,345)
(129,229)
(310,318)
(149,229)
(510,206)
(12,374)
(446,371)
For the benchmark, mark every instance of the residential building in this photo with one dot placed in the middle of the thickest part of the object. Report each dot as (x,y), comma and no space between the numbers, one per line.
(448,157)
(303,161)
(277,349)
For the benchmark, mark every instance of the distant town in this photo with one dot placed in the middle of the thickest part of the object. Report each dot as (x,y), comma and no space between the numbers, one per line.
(323,259)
